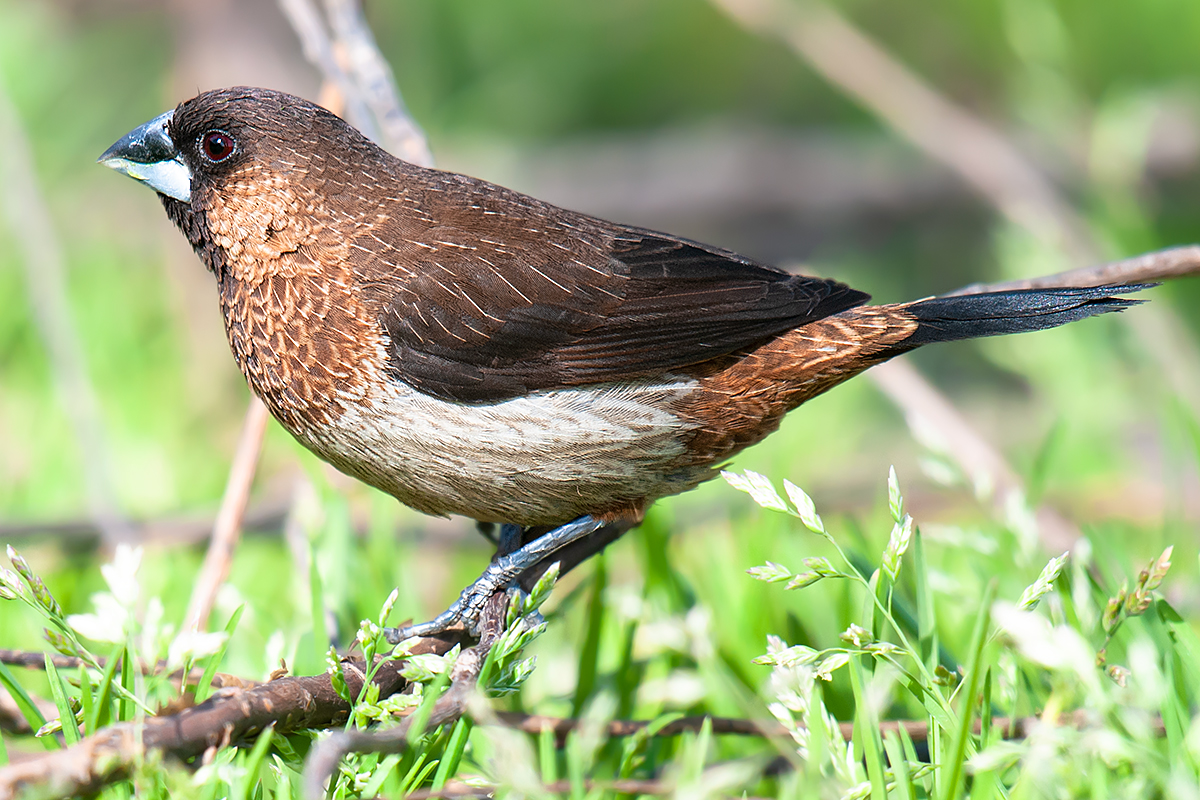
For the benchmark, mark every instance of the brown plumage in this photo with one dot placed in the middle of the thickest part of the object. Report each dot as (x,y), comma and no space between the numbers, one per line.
(472,350)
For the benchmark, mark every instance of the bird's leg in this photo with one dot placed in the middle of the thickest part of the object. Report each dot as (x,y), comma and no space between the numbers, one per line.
(574,554)
(500,574)
(509,540)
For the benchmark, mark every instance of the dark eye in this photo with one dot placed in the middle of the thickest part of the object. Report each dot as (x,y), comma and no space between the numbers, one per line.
(217,145)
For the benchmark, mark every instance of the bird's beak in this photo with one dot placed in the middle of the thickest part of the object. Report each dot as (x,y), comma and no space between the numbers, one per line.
(148,154)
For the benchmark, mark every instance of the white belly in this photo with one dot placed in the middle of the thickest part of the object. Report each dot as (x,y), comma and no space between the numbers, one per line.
(540,459)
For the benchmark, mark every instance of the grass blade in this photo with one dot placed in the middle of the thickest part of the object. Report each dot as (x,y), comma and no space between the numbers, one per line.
(58,690)
(866,729)
(203,688)
(381,774)
(904,787)
(102,708)
(244,787)
(576,769)
(548,755)
(589,654)
(126,708)
(416,775)
(959,746)
(25,703)
(452,755)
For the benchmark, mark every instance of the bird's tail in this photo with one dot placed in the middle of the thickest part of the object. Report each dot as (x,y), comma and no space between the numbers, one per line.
(742,402)
(948,319)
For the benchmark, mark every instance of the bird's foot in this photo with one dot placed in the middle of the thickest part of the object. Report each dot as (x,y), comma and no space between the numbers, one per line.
(501,574)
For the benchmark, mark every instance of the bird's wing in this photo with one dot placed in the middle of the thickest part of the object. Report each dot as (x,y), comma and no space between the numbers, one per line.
(543,301)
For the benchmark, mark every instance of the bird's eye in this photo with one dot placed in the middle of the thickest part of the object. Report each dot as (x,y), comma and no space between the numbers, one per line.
(217,145)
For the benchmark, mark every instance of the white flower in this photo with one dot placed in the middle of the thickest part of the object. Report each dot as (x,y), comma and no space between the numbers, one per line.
(680,689)
(121,574)
(193,644)
(109,622)
(1057,648)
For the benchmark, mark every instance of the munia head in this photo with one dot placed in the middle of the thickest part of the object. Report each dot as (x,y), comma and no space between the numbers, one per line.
(266,188)
(246,172)
(226,137)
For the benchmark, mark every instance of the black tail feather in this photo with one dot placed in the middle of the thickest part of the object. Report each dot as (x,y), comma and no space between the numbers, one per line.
(948,319)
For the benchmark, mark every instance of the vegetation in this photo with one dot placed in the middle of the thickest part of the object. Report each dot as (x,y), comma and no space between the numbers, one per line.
(1071,686)
(959,622)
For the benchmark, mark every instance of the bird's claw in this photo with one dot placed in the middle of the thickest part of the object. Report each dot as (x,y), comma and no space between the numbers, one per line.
(463,613)
(501,574)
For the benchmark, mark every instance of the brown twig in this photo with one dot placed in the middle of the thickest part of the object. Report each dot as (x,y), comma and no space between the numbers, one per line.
(986,160)
(561,726)
(1159,265)
(916,729)
(630,786)
(935,422)
(350,61)
(982,156)
(375,83)
(228,526)
(263,517)
(230,716)
(322,762)
(623,786)
(319,49)
(932,417)
(32,659)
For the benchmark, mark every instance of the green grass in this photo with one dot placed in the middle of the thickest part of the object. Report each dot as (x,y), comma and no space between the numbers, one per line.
(669,623)
(809,638)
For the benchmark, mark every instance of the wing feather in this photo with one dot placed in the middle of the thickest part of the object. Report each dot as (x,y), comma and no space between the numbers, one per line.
(549,298)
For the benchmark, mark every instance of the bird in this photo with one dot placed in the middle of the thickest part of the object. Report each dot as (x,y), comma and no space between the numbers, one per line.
(472,350)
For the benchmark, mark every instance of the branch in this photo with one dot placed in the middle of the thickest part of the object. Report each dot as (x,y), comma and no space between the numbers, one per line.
(987,161)
(916,729)
(227,529)
(932,417)
(318,49)
(32,659)
(373,103)
(266,517)
(1173,262)
(231,716)
(935,422)
(561,726)
(982,156)
(375,83)
(323,760)
(629,786)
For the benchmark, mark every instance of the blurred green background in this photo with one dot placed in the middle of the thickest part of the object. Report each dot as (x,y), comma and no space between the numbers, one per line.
(662,114)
